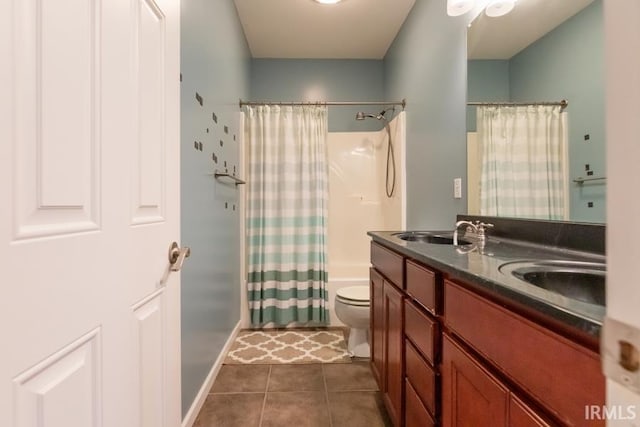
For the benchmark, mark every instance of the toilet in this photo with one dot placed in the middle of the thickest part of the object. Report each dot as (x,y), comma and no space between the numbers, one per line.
(352,308)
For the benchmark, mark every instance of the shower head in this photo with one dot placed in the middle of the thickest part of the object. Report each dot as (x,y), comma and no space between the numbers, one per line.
(380,116)
(361,116)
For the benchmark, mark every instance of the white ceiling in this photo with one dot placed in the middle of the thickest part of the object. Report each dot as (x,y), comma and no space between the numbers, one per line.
(505,36)
(357,29)
(365,29)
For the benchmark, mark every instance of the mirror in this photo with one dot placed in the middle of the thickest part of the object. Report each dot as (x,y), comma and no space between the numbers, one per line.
(543,51)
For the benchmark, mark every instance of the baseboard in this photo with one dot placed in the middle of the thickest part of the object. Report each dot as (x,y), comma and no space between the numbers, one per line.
(198,402)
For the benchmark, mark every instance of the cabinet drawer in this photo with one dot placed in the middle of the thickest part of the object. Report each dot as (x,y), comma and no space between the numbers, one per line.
(421,377)
(421,285)
(389,263)
(421,330)
(416,415)
(563,376)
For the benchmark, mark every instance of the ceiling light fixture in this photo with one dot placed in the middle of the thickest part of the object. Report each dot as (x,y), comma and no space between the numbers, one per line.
(499,7)
(328,1)
(493,8)
(459,7)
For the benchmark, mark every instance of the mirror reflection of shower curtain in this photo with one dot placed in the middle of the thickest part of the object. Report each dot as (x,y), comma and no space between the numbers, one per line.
(287,209)
(523,156)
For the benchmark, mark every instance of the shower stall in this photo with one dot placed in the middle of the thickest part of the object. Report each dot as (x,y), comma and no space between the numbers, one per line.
(366,192)
(361,168)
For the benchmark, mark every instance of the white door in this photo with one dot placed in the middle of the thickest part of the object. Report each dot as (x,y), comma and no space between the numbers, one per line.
(622,36)
(89,203)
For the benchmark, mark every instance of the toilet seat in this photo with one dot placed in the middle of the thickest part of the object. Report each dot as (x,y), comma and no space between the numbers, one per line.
(354,295)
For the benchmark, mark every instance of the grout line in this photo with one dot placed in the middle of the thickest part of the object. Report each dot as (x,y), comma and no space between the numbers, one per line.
(264,401)
(326,396)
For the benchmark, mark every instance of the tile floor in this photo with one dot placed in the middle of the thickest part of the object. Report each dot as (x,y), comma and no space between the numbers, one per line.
(334,395)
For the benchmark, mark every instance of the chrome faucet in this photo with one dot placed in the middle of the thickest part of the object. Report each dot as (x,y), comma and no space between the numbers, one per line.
(477,227)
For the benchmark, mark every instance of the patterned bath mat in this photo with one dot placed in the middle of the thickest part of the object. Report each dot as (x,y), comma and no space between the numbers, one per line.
(288,346)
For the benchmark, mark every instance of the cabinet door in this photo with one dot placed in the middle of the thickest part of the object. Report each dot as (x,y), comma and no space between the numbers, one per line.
(394,349)
(471,396)
(539,356)
(377,327)
(521,415)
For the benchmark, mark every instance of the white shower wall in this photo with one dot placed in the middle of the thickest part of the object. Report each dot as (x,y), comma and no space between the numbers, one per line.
(358,202)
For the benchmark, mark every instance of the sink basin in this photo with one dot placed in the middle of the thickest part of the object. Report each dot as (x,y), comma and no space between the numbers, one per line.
(438,238)
(580,281)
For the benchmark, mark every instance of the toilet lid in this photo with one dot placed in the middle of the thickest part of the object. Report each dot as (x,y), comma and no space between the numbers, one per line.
(354,293)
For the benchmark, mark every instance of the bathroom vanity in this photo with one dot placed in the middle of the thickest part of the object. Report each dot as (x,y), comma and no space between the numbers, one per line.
(458,339)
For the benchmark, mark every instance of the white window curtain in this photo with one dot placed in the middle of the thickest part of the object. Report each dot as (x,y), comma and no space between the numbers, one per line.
(287,207)
(523,155)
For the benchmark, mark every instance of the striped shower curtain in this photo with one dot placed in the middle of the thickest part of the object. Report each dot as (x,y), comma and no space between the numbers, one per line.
(287,214)
(523,161)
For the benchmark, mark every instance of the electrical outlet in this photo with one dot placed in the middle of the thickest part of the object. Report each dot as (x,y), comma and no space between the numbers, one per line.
(457,188)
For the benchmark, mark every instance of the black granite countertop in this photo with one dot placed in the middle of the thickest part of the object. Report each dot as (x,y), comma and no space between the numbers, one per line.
(481,267)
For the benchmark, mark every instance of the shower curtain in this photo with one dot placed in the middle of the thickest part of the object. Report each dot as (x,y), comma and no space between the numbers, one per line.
(287,214)
(523,161)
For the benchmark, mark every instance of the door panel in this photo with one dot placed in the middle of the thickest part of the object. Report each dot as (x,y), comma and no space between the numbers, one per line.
(89,100)
(149,335)
(150,150)
(56,176)
(72,374)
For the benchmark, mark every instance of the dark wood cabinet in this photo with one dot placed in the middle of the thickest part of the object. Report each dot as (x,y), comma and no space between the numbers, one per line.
(562,376)
(446,353)
(471,396)
(393,319)
(410,397)
(388,263)
(422,330)
(424,286)
(377,327)
(422,377)
(521,415)
(416,414)
(387,328)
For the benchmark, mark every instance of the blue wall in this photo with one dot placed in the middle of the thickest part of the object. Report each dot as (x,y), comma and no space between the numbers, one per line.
(322,80)
(427,64)
(568,63)
(487,80)
(215,64)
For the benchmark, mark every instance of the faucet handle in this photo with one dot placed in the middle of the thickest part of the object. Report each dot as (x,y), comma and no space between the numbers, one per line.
(483,226)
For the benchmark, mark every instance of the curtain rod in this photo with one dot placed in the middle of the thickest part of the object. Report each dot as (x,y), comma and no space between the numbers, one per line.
(564,103)
(403,103)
